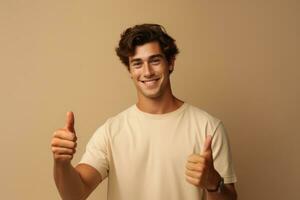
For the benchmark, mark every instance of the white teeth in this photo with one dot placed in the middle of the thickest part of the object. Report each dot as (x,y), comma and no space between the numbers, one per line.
(149,82)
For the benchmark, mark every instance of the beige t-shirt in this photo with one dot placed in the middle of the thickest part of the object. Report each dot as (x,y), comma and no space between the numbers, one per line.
(144,155)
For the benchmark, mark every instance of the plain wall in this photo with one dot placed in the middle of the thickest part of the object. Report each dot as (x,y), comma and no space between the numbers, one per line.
(239,60)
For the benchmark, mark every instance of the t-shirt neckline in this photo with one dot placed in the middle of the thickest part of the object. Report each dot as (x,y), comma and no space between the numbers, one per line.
(161,116)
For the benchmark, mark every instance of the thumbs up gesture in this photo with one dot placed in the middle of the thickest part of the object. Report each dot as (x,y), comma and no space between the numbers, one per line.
(63,143)
(200,169)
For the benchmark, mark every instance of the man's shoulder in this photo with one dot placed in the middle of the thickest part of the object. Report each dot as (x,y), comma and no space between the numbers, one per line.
(120,116)
(201,114)
(123,114)
(115,122)
(199,111)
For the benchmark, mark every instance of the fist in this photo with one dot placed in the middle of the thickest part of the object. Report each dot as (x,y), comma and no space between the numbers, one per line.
(63,143)
(200,169)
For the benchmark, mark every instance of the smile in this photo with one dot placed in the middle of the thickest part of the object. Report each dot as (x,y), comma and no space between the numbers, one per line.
(150,82)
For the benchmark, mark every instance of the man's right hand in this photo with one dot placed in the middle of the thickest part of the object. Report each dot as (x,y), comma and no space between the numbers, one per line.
(63,143)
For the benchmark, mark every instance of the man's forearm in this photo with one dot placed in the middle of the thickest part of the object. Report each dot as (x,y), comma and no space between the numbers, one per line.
(228,193)
(68,182)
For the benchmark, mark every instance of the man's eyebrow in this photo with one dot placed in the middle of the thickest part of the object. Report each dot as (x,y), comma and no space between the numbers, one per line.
(150,57)
(135,60)
(156,56)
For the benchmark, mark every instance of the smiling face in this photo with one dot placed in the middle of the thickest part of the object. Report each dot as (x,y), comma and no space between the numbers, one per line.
(149,71)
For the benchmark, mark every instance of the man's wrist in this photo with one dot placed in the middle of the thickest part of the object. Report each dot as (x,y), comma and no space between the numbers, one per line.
(218,187)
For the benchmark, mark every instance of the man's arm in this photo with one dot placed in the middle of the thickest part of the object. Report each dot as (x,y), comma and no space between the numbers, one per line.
(227,193)
(75,183)
(72,183)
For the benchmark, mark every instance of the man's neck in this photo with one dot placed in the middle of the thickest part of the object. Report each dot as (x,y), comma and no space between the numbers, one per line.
(159,105)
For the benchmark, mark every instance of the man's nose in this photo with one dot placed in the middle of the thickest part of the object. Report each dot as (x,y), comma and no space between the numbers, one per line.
(148,71)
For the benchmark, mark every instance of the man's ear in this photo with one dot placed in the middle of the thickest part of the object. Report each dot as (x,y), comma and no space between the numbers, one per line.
(128,70)
(171,65)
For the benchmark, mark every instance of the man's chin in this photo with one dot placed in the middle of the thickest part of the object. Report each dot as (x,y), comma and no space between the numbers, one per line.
(154,95)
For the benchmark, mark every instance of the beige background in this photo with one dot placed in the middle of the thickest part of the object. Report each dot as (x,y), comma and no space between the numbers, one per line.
(239,61)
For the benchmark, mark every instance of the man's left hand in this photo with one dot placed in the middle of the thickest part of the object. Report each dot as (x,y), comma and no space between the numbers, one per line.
(200,169)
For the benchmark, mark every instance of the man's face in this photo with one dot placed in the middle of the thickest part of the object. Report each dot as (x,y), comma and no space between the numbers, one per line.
(149,70)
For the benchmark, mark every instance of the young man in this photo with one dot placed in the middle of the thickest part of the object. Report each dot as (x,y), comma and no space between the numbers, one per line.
(160,148)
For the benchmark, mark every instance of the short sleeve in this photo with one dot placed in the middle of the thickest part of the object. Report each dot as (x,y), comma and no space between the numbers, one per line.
(96,153)
(222,154)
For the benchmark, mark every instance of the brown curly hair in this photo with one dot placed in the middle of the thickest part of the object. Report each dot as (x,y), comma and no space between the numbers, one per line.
(142,34)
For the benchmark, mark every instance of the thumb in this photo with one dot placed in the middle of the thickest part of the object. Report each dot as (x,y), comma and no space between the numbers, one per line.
(207,145)
(70,121)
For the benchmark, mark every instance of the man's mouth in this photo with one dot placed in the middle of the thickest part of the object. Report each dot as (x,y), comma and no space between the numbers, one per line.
(150,82)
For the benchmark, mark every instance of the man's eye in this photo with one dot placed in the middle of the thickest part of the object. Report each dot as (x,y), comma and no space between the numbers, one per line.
(136,64)
(155,61)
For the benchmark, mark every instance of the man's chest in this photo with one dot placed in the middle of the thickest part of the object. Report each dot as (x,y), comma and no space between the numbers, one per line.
(153,144)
